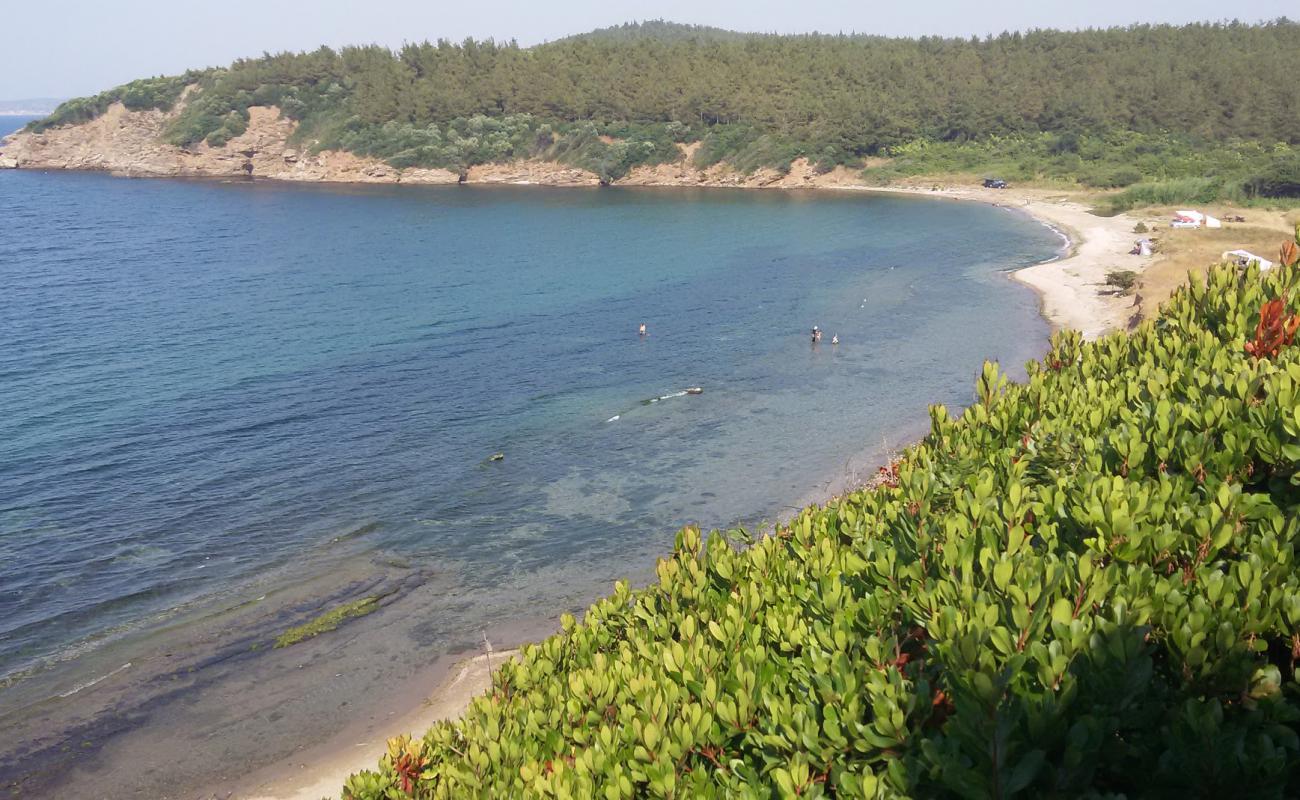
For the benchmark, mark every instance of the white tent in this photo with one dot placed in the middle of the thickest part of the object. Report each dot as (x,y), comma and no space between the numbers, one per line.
(1242,258)
(1187,218)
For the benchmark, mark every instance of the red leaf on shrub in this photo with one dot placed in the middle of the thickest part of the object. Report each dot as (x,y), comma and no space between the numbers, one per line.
(1276,329)
(1290,254)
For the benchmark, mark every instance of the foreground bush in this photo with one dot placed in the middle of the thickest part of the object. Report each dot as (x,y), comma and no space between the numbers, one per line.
(1082,585)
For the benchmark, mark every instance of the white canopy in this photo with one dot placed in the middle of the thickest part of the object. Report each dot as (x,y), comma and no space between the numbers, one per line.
(1244,257)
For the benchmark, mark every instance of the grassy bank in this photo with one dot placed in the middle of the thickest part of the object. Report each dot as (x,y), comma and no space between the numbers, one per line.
(1083,583)
(1146,169)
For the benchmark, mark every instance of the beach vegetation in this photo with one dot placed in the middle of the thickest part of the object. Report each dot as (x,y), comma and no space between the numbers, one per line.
(1175,192)
(1123,280)
(1083,584)
(1281,179)
(1151,168)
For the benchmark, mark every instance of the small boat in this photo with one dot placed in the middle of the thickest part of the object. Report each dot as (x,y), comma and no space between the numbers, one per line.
(695,390)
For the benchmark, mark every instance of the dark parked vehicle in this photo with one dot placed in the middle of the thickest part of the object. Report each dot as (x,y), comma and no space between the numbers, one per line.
(994,183)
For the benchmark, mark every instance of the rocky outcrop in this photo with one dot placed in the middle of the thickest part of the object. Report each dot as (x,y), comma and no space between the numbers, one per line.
(131,143)
(801,174)
(544,173)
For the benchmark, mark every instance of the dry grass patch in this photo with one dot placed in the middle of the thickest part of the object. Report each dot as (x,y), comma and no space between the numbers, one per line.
(1183,251)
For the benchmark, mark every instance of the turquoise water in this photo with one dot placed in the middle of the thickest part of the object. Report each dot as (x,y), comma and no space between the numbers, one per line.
(213,389)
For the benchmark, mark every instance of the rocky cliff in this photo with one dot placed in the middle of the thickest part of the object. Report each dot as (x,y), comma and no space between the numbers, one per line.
(131,143)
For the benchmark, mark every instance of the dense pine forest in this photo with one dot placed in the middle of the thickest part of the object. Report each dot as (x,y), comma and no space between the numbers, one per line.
(626,95)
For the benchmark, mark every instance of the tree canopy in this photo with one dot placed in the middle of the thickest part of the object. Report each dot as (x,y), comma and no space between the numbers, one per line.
(831,98)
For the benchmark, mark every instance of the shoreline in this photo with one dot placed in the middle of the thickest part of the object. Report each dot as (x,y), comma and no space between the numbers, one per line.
(128,143)
(319,771)
(324,768)
(1067,286)
(445,688)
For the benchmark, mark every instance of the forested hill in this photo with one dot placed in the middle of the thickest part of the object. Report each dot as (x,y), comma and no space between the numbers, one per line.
(661,30)
(753,100)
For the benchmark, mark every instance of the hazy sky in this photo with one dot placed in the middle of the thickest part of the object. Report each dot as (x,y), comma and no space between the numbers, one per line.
(62,48)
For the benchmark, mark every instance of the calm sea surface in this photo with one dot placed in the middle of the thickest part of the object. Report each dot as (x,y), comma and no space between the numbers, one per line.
(214,393)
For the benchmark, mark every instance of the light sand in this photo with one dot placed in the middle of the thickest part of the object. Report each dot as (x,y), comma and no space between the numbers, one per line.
(320,773)
(1072,289)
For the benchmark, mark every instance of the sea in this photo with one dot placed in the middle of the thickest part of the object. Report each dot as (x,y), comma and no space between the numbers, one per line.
(226,407)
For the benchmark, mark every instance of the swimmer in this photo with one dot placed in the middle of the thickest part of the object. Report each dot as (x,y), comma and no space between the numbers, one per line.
(816,334)
(641,332)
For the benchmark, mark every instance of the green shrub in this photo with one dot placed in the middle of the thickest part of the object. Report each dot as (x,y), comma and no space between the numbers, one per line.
(623,147)
(1166,193)
(720,141)
(1115,178)
(1082,585)
(232,125)
(1122,279)
(1280,179)
(1156,168)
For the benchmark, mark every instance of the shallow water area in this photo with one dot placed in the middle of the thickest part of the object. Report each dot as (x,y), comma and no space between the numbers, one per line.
(227,406)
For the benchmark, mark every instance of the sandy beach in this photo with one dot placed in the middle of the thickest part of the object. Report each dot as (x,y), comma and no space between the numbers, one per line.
(129,143)
(1072,289)
(320,770)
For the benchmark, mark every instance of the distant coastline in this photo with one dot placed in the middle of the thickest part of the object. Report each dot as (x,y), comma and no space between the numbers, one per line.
(130,143)
(1067,288)
(31,107)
